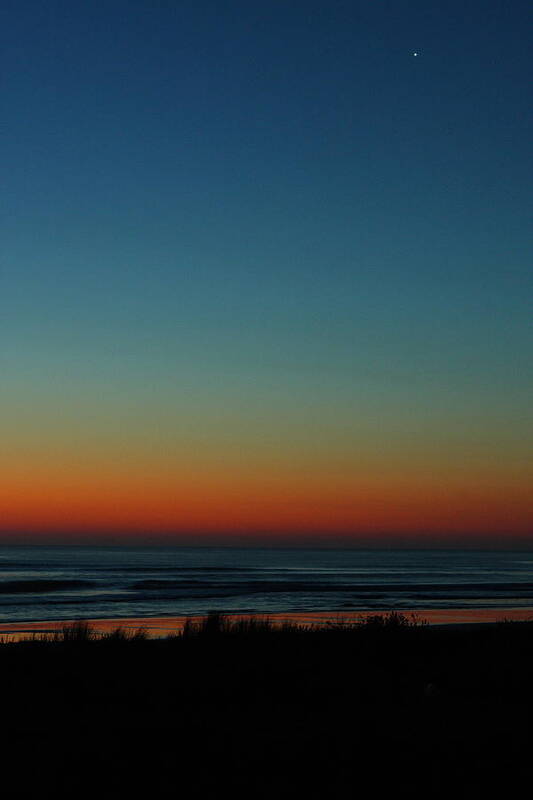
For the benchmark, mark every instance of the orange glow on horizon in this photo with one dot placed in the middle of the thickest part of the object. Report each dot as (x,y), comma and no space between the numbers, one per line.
(59,500)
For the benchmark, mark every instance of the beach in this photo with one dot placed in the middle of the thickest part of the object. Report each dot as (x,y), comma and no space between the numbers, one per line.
(257,710)
(199,672)
(160,627)
(266,463)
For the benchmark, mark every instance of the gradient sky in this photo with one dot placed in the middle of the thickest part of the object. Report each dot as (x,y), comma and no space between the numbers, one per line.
(264,272)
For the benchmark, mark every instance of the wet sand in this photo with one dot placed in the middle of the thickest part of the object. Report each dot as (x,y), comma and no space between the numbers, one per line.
(164,626)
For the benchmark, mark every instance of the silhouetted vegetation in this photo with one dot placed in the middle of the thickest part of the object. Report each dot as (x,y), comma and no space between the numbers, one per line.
(377,708)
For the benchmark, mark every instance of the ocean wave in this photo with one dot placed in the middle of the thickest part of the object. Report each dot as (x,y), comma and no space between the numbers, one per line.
(266,586)
(41,585)
(153,584)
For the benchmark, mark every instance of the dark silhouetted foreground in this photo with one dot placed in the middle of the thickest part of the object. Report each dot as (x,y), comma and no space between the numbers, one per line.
(380,709)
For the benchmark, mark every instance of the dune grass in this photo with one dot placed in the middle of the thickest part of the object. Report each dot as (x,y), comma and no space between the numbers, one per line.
(217,624)
(258,708)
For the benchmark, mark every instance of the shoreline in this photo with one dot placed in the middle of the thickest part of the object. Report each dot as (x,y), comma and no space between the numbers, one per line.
(162,626)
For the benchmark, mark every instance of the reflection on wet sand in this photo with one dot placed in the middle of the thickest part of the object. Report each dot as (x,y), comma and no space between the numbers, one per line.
(165,626)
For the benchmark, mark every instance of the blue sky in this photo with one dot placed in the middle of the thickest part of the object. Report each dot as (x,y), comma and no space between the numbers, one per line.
(276,203)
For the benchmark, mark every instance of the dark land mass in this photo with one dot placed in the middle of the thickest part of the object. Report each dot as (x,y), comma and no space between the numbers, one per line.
(247,710)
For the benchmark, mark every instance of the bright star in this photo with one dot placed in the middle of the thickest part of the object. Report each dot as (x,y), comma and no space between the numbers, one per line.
(415,54)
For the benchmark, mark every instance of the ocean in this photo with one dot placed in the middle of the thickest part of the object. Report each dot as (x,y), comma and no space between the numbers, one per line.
(67,583)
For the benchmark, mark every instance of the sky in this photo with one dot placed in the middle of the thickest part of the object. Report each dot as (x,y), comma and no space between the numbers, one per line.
(265,274)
